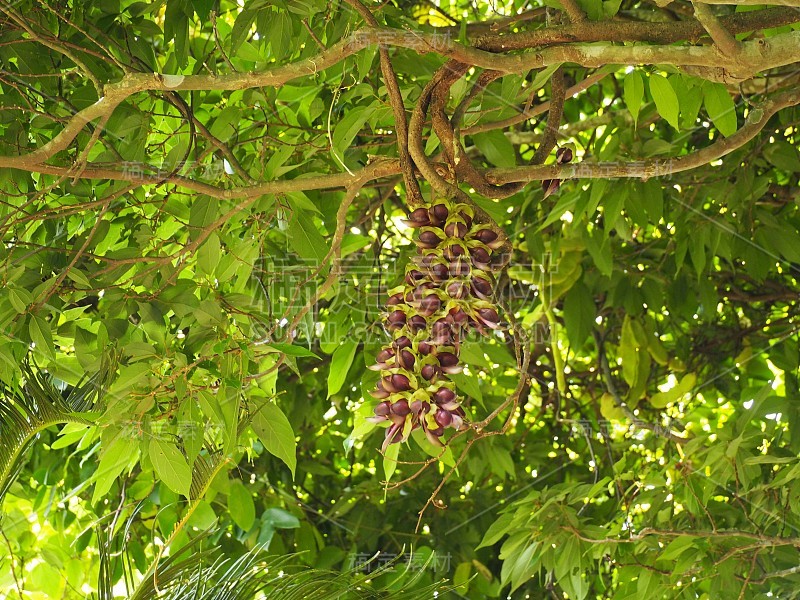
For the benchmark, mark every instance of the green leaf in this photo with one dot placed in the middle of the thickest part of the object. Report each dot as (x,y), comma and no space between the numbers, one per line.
(629,352)
(281,30)
(117,453)
(305,238)
(19,298)
(720,107)
(204,211)
(633,93)
(341,361)
(241,506)
(361,426)
(470,386)
(497,530)
(241,28)
(665,98)
(390,461)
(675,393)
(280,519)
(39,330)
(208,254)
(292,350)
(496,147)
(599,248)
(579,314)
(275,432)
(365,60)
(170,466)
(784,156)
(348,127)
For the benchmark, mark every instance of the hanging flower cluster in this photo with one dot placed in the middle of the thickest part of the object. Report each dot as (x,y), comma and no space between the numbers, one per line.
(447,291)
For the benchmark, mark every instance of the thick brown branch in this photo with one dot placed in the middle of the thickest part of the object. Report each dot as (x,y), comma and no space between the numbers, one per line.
(795,3)
(557,98)
(755,122)
(635,31)
(755,56)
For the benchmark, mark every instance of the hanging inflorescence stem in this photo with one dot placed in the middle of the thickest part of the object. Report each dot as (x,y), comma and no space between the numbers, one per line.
(447,292)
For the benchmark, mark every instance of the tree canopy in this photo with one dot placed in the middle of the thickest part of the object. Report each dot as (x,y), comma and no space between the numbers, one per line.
(450,298)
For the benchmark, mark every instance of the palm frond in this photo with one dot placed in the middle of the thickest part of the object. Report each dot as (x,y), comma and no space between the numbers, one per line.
(255,575)
(36,404)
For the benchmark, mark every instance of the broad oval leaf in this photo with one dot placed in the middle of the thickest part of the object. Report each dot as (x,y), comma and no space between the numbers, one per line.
(275,432)
(665,98)
(170,466)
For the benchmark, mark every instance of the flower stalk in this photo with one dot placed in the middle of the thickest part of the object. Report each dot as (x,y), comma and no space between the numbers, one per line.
(447,292)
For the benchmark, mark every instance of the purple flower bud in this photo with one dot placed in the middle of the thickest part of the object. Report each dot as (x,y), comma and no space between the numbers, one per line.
(443,418)
(418,218)
(384,355)
(439,272)
(406,359)
(433,438)
(380,392)
(402,342)
(424,348)
(455,229)
(481,287)
(399,382)
(487,236)
(443,395)
(458,316)
(428,239)
(453,251)
(395,320)
(401,408)
(394,434)
(550,186)
(395,299)
(563,155)
(489,317)
(449,363)
(417,323)
(382,409)
(413,276)
(429,305)
(456,289)
(459,267)
(441,332)
(447,359)
(480,256)
(429,372)
(439,213)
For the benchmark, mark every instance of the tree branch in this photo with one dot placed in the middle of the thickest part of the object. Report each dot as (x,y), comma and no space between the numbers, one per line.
(757,55)
(794,3)
(414,196)
(573,10)
(723,38)
(637,31)
(755,122)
